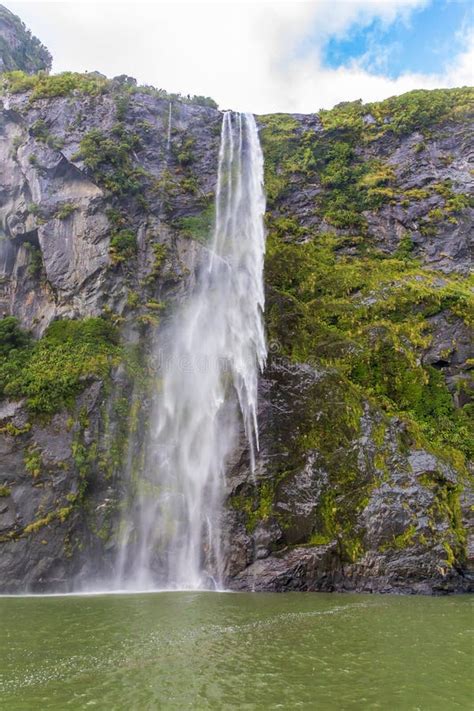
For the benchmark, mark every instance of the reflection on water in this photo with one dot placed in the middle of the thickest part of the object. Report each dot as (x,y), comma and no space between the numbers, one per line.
(235,651)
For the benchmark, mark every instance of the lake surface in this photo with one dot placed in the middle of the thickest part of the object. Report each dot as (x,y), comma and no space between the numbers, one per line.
(235,651)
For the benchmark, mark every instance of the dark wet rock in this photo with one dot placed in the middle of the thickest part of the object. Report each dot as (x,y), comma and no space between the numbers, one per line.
(404,536)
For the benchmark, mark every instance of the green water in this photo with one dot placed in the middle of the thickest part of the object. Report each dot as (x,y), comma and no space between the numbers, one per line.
(235,651)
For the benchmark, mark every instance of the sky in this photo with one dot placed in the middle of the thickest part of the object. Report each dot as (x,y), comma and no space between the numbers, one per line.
(262,56)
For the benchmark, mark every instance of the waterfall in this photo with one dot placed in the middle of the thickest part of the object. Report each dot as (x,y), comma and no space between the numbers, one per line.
(209,355)
(168,135)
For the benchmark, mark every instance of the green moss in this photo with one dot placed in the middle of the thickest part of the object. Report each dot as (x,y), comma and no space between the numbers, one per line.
(366,314)
(317,539)
(123,246)
(4,491)
(159,255)
(65,210)
(50,372)
(257,505)
(446,507)
(60,515)
(279,139)
(403,540)
(14,431)
(33,461)
(350,184)
(448,212)
(198,227)
(153,305)
(35,261)
(133,299)
(330,427)
(405,248)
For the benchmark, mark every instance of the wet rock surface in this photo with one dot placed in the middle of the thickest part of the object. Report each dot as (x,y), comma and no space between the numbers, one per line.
(405,536)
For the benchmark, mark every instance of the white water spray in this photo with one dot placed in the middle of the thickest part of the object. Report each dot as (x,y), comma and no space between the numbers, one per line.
(210,355)
(168,135)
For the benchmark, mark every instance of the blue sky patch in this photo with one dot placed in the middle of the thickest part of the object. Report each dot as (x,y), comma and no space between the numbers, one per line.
(426,43)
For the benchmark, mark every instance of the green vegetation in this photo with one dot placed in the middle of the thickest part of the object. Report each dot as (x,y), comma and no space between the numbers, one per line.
(366,316)
(50,372)
(193,99)
(49,86)
(328,425)
(200,226)
(33,461)
(335,299)
(41,132)
(4,491)
(42,85)
(352,185)
(123,246)
(14,431)
(279,140)
(24,51)
(452,204)
(402,541)
(12,337)
(65,210)
(416,110)
(257,508)
(110,159)
(59,515)
(183,150)
(35,265)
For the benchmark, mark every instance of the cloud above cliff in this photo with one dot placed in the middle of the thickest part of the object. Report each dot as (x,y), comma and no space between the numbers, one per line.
(264,56)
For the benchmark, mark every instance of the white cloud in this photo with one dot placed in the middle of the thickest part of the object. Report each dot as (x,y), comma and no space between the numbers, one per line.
(259,56)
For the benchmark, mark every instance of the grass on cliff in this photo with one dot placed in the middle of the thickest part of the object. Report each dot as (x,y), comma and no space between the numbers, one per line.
(417,110)
(52,371)
(331,159)
(335,299)
(109,158)
(367,315)
(43,86)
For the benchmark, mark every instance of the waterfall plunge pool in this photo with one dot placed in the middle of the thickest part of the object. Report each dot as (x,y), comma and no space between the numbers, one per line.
(200,650)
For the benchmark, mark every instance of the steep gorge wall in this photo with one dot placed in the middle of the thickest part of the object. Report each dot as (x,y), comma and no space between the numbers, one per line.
(96,215)
(366,402)
(104,218)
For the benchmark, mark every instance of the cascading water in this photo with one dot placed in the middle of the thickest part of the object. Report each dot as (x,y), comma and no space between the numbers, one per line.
(168,133)
(210,355)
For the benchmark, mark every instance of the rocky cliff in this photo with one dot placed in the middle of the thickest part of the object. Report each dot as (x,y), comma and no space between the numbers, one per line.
(107,189)
(19,49)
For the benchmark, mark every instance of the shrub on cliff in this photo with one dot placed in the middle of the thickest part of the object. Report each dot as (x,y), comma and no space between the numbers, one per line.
(19,49)
(11,336)
(123,245)
(51,372)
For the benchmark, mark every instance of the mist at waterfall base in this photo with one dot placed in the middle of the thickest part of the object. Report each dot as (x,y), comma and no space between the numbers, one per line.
(209,357)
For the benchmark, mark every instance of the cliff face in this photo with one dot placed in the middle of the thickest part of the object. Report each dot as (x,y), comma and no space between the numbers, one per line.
(18,48)
(107,199)
(366,414)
